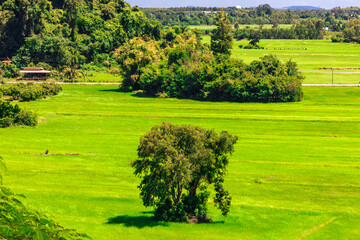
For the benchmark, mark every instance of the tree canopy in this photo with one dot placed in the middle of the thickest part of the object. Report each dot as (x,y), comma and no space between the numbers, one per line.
(221,38)
(177,164)
(69,33)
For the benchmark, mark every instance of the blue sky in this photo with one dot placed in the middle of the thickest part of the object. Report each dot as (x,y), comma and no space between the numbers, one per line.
(245,3)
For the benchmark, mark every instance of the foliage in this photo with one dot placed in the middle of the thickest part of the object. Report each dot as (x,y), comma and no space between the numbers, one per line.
(351,32)
(8,70)
(13,115)
(177,164)
(23,19)
(267,80)
(71,34)
(18,222)
(263,14)
(221,37)
(133,56)
(30,92)
(179,65)
(304,29)
(195,74)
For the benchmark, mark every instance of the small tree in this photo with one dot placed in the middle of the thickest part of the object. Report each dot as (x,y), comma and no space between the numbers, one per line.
(176,165)
(221,38)
(133,56)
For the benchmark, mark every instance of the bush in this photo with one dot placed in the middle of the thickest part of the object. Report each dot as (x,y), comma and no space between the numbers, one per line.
(31,92)
(26,118)
(9,70)
(13,115)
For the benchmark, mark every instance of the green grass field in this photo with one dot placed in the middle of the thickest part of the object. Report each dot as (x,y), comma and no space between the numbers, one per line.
(102,76)
(295,173)
(310,55)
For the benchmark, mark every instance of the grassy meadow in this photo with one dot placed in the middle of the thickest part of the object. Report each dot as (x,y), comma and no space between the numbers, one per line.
(310,55)
(295,173)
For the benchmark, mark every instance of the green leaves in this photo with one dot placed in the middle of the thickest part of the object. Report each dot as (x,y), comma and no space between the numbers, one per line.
(3,169)
(176,164)
(12,115)
(221,38)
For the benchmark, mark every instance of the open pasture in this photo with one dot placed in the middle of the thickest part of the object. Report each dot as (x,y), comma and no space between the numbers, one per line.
(310,55)
(295,173)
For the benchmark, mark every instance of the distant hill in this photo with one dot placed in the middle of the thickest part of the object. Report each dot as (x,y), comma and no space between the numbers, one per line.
(299,8)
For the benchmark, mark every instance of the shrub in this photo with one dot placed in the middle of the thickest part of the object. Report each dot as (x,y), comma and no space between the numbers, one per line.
(31,92)
(26,118)
(11,115)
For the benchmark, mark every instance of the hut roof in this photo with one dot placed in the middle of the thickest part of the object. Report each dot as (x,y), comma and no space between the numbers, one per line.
(7,60)
(33,70)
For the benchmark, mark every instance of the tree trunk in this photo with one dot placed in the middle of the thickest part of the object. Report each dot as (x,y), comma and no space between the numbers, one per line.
(178,194)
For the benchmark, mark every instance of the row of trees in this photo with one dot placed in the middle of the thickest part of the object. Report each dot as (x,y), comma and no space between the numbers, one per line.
(305,29)
(263,14)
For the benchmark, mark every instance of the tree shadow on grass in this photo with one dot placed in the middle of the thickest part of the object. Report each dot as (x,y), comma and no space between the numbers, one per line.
(139,94)
(136,221)
(111,90)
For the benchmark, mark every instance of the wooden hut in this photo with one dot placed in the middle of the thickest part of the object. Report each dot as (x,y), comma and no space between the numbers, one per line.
(34,73)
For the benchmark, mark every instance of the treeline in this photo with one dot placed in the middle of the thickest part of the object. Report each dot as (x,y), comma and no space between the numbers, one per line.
(181,66)
(67,34)
(305,29)
(263,14)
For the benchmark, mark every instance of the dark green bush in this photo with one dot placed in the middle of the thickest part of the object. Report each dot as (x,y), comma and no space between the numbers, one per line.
(13,115)
(26,118)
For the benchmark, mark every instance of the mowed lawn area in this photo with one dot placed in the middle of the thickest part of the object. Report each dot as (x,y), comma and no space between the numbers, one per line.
(310,55)
(295,173)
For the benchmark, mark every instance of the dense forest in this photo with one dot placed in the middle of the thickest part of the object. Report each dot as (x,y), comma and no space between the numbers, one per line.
(69,33)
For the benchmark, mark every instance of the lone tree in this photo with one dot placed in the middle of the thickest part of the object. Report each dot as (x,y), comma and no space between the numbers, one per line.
(221,38)
(177,164)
